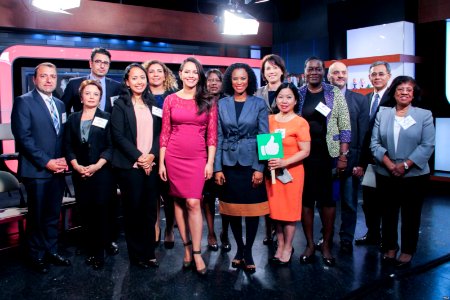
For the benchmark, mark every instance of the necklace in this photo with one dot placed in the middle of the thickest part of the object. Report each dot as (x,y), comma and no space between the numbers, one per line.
(285,117)
(317,90)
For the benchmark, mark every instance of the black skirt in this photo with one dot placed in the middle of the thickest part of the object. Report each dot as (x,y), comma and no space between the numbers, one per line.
(239,197)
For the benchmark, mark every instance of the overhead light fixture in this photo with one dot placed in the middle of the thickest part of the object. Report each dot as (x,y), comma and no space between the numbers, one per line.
(238,22)
(260,1)
(58,6)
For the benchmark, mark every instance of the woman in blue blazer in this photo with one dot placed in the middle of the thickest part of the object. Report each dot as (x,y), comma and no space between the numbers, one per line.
(402,143)
(89,152)
(241,117)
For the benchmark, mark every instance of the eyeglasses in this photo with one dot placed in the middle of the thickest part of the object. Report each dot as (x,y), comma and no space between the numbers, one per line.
(380,74)
(101,62)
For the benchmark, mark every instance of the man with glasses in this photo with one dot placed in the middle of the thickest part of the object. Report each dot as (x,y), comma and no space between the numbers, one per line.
(99,63)
(379,75)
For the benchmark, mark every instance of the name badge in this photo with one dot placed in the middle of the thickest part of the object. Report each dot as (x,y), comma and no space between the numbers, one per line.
(113,99)
(282,131)
(407,122)
(100,122)
(323,109)
(63,118)
(157,111)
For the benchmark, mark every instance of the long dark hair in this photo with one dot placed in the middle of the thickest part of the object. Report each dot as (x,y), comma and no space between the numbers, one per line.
(126,92)
(203,99)
(227,85)
(400,80)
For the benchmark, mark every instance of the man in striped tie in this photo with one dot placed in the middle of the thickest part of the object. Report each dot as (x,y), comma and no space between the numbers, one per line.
(37,122)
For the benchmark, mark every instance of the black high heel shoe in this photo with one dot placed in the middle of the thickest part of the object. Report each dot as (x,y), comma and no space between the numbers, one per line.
(226,246)
(307,259)
(213,246)
(201,272)
(284,263)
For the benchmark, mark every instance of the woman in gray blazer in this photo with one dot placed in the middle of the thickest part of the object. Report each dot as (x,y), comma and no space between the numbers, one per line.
(402,143)
(236,165)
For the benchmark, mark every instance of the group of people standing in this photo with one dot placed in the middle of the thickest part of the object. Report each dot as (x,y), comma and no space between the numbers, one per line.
(155,141)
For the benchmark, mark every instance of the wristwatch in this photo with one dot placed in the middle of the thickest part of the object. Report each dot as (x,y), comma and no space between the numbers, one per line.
(344,153)
(405,165)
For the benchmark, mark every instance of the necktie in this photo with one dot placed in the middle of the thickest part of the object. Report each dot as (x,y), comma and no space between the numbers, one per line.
(374,107)
(54,114)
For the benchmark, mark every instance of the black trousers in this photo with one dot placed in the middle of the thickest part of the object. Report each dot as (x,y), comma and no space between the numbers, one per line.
(139,202)
(44,198)
(95,196)
(405,196)
(372,210)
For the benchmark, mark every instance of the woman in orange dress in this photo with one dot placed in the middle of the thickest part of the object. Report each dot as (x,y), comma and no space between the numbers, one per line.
(285,197)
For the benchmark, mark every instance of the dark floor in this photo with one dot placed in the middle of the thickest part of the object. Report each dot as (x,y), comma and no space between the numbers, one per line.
(357,276)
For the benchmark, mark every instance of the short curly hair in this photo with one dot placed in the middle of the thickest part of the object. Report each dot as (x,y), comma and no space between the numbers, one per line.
(227,85)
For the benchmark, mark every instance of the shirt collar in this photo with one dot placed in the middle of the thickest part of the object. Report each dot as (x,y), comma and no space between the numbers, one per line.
(44,96)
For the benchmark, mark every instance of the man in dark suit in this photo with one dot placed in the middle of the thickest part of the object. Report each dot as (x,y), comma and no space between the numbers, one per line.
(99,63)
(37,122)
(350,179)
(379,75)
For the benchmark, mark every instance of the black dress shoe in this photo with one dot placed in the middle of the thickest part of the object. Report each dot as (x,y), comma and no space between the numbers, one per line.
(112,249)
(346,247)
(388,261)
(58,260)
(367,239)
(39,266)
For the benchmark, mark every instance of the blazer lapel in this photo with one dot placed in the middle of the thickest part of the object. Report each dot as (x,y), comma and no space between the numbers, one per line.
(132,120)
(41,104)
(230,111)
(390,135)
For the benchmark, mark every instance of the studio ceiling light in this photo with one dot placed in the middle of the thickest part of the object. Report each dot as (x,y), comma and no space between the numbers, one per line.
(58,6)
(237,22)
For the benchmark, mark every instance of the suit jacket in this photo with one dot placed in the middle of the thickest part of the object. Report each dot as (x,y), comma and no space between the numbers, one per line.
(71,96)
(124,135)
(358,109)
(237,139)
(35,135)
(416,143)
(98,145)
(366,155)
